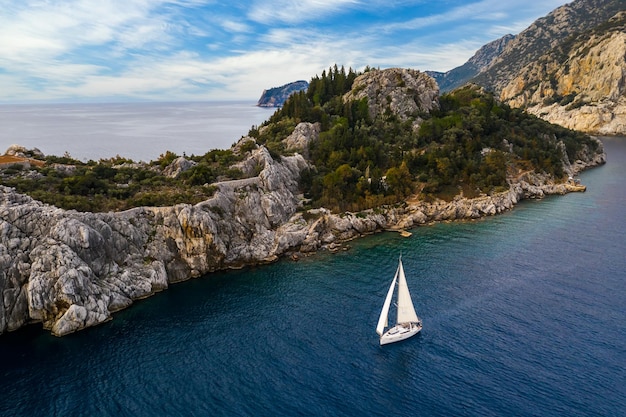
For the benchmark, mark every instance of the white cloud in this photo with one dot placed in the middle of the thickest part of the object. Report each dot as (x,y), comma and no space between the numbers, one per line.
(482,11)
(51,28)
(233,26)
(295,11)
(162,50)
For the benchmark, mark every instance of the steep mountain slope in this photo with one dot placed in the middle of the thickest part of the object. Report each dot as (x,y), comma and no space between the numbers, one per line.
(567,67)
(581,84)
(544,35)
(481,60)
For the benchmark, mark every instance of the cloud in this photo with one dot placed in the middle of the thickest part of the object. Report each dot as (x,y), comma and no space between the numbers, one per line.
(234,26)
(485,12)
(296,11)
(58,26)
(206,49)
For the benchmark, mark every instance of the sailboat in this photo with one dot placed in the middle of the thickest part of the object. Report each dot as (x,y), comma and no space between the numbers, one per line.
(407,322)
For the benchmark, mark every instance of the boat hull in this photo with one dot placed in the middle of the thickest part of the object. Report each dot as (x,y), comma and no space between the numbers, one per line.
(400,332)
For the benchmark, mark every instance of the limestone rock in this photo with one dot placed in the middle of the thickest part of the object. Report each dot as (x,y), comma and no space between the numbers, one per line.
(583,89)
(71,270)
(405,92)
(545,38)
(301,137)
(21,151)
(178,166)
(244,144)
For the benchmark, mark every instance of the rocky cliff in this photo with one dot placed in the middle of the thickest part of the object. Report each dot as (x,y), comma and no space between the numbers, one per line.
(276,97)
(545,34)
(495,64)
(71,270)
(567,67)
(582,86)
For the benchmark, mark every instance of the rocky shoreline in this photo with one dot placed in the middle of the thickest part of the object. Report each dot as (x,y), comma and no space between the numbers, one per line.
(71,270)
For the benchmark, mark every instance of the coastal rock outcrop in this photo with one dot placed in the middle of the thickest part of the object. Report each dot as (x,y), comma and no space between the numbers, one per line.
(70,270)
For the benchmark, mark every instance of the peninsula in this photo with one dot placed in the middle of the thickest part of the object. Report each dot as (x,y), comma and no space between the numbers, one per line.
(385,151)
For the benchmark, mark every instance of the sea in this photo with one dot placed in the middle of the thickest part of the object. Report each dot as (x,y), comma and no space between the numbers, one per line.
(138,131)
(524,315)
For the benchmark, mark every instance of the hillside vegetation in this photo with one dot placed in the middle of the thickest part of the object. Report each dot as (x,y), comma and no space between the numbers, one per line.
(471,144)
(118,184)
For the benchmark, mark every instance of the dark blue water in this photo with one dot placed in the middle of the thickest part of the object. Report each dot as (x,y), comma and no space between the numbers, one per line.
(524,315)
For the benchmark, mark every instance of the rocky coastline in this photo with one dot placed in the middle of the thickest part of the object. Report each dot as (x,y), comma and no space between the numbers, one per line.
(71,270)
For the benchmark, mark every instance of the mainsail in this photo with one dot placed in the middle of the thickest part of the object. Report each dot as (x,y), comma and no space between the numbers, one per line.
(406,311)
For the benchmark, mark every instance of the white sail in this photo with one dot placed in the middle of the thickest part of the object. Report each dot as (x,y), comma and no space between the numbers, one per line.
(406,311)
(382,320)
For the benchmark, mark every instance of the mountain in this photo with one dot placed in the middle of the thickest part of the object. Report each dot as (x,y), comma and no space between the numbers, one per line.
(481,60)
(581,85)
(545,34)
(276,97)
(567,67)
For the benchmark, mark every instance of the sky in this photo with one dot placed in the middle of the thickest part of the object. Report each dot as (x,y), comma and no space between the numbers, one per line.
(203,50)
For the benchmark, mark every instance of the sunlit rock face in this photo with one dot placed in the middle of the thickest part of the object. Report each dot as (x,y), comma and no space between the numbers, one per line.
(585,91)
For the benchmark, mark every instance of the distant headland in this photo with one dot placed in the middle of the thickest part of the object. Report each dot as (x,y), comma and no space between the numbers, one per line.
(276,97)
